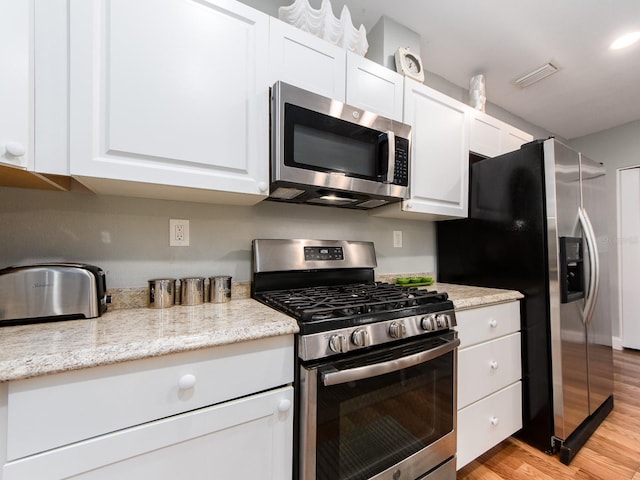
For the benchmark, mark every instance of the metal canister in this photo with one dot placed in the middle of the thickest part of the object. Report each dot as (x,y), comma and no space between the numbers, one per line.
(192,291)
(162,292)
(220,289)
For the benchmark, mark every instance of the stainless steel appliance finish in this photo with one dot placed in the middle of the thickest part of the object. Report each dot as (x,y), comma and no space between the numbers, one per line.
(376,363)
(537,224)
(47,292)
(337,155)
(273,255)
(582,361)
(364,398)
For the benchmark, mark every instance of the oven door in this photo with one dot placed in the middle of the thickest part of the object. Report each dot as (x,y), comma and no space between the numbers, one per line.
(385,414)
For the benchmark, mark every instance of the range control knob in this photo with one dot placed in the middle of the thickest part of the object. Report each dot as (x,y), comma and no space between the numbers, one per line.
(397,330)
(428,323)
(443,321)
(360,337)
(339,344)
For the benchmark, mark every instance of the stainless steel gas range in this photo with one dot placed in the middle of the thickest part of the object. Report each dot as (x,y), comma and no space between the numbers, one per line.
(376,363)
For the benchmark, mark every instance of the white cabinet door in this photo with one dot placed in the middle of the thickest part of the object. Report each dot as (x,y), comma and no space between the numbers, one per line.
(374,88)
(485,133)
(486,423)
(169,93)
(440,152)
(487,367)
(247,438)
(299,58)
(16,83)
(491,137)
(513,139)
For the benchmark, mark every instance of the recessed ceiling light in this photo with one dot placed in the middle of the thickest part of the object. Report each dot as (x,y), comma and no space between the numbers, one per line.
(625,41)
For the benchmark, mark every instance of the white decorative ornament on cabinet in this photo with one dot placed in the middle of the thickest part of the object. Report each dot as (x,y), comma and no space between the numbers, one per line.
(322,23)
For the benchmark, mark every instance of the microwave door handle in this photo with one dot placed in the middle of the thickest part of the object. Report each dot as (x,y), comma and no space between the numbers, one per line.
(368,371)
(391,161)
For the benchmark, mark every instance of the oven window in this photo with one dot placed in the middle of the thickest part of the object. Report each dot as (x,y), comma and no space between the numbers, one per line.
(327,144)
(367,426)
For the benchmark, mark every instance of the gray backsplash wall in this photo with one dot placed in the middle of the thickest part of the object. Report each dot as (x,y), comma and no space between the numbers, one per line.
(129,237)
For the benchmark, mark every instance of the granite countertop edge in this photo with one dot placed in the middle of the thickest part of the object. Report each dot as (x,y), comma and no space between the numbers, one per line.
(130,334)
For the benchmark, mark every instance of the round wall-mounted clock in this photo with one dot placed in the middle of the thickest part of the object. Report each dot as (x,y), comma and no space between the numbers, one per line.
(409,64)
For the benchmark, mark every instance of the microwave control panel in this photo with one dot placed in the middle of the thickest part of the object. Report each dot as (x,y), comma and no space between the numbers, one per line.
(401,172)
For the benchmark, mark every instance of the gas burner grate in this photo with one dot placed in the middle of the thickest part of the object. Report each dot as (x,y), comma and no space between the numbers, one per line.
(325,302)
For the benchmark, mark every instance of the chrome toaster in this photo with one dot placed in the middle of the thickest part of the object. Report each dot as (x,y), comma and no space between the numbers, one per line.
(51,291)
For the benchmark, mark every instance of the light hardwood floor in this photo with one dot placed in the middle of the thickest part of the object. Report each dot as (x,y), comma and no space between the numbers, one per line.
(612,452)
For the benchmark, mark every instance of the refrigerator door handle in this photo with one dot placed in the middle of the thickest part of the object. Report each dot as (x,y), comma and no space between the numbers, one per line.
(594,266)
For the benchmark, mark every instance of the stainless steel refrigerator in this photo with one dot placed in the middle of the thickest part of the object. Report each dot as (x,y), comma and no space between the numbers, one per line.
(537,224)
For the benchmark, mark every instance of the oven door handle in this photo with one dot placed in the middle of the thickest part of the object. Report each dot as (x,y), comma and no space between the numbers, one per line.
(343,376)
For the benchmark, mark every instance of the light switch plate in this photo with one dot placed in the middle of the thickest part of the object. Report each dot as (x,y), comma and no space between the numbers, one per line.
(397,238)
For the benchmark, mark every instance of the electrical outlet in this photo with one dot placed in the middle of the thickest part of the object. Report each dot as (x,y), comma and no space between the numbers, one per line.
(178,233)
(397,239)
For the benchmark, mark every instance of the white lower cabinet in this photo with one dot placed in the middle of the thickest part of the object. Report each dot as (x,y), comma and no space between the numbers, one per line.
(194,415)
(487,422)
(489,378)
(246,438)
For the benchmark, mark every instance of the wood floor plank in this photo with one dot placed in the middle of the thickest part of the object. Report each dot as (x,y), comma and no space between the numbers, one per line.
(612,452)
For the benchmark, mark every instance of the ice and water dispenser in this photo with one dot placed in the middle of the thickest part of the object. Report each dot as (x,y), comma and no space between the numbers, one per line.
(571,269)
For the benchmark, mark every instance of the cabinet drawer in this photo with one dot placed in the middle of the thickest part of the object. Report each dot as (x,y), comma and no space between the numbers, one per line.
(212,442)
(486,323)
(486,423)
(51,411)
(487,367)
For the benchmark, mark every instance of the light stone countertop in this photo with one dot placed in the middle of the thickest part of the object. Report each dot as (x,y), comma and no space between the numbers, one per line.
(121,335)
(134,333)
(465,296)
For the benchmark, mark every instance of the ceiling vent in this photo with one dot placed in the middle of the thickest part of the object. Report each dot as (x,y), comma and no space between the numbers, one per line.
(536,75)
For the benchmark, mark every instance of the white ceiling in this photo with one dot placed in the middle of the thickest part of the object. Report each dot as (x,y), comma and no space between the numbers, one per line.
(594,90)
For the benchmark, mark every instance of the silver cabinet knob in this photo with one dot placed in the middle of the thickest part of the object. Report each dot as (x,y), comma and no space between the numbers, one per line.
(360,337)
(339,344)
(397,330)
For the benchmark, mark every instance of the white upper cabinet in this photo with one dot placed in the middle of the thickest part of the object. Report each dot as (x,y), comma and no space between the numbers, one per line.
(16,84)
(373,87)
(311,63)
(170,93)
(490,137)
(440,156)
(306,61)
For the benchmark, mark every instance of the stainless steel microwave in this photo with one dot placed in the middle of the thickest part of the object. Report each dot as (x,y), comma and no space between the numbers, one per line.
(325,152)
